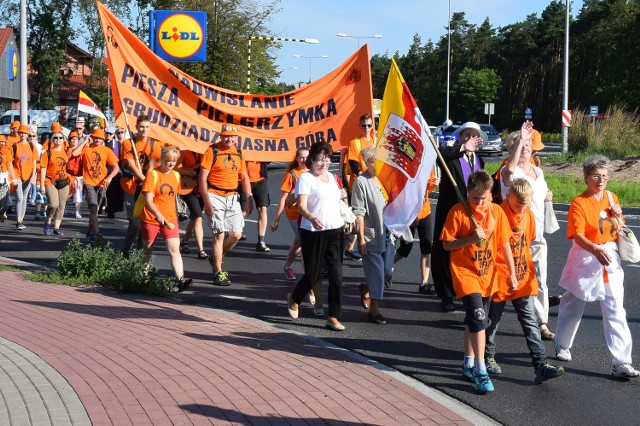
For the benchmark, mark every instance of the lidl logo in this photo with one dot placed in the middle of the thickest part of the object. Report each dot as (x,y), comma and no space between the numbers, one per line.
(13,65)
(181,36)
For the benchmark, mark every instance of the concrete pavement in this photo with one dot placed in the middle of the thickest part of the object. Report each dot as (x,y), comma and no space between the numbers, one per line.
(85,356)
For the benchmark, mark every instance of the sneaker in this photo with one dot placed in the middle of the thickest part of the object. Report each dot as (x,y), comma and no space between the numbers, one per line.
(625,371)
(352,254)
(46,229)
(89,238)
(288,272)
(492,366)
(562,354)
(547,371)
(58,233)
(3,217)
(38,215)
(447,305)
(427,288)
(469,374)
(183,284)
(221,279)
(388,281)
(262,247)
(20,226)
(78,215)
(483,383)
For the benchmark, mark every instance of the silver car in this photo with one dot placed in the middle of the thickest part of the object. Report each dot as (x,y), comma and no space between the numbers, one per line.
(494,144)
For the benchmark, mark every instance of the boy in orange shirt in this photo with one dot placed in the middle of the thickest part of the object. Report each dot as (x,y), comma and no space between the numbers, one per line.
(516,207)
(96,177)
(474,247)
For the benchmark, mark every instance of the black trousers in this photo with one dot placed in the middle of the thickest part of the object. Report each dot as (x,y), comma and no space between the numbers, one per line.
(115,196)
(318,246)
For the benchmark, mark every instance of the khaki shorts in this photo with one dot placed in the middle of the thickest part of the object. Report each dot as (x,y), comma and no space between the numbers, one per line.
(227,215)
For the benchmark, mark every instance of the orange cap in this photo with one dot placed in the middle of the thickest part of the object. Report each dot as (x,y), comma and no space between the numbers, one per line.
(536,141)
(15,125)
(24,129)
(56,127)
(98,134)
(73,134)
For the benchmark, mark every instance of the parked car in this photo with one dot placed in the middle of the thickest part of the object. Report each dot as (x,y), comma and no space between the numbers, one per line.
(494,144)
(445,135)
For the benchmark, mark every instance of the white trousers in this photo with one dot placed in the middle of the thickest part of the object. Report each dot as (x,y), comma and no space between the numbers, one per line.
(541,301)
(614,321)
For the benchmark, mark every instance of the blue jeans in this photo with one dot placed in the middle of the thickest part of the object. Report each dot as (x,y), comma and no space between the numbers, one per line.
(527,316)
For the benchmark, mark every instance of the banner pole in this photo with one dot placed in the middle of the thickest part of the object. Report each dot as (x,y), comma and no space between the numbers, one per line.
(131,138)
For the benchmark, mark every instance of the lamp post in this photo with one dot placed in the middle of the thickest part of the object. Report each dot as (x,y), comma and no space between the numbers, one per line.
(565,84)
(283,70)
(310,58)
(300,40)
(448,57)
(378,36)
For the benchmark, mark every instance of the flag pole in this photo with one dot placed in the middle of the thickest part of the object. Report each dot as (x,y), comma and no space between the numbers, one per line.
(131,138)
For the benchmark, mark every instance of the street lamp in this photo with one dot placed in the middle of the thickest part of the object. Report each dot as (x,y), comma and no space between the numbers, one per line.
(359,37)
(301,40)
(448,57)
(310,58)
(280,73)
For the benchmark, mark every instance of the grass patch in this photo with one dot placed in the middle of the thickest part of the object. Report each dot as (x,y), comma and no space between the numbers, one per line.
(11,268)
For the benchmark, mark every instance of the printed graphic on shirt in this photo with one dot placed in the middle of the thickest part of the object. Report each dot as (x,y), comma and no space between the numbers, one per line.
(94,165)
(483,257)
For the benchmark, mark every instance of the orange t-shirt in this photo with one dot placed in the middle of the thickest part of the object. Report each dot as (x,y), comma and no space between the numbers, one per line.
(165,188)
(144,155)
(592,218)
(524,231)
(472,267)
(190,160)
(94,164)
(253,170)
(353,153)
(288,185)
(12,140)
(56,168)
(5,153)
(23,159)
(224,174)
(426,203)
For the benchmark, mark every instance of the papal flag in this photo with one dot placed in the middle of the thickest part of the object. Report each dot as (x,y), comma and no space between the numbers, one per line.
(404,155)
(85,104)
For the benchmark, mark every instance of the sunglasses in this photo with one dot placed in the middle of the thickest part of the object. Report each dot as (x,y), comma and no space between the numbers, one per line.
(33,136)
(57,137)
(366,126)
(229,128)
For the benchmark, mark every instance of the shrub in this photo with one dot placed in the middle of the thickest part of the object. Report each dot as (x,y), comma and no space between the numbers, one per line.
(107,267)
(615,135)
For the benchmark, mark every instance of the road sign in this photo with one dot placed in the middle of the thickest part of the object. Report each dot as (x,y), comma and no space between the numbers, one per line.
(593,111)
(528,114)
(489,108)
(566,118)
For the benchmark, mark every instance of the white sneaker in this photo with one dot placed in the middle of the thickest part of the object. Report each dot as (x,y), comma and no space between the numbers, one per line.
(625,371)
(562,354)
(78,215)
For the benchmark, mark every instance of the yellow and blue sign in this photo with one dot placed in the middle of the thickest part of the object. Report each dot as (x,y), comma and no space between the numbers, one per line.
(13,64)
(179,35)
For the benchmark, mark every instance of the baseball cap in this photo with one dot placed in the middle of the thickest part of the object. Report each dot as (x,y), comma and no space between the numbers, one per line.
(24,129)
(98,134)
(73,134)
(228,130)
(80,120)
(536,141)
(56,127)
(15,125)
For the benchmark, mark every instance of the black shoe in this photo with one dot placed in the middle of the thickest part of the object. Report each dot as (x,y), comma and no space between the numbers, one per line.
(111,216)
(555,300)
(262,247)
(243,237)
(352,254)
(388,282)
(183,284)
(547,372)
(447,305)
(427,288)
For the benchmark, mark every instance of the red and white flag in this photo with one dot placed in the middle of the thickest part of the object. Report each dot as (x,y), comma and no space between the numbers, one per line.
(404,155)
(85,104)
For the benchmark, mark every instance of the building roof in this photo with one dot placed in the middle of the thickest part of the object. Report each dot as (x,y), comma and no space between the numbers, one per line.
(5,36)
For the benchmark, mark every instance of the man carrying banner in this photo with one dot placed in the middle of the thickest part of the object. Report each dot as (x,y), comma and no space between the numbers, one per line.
(222,167)
(461,160)
(148,152)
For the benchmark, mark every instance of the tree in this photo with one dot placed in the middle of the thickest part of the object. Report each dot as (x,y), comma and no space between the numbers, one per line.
(472,90)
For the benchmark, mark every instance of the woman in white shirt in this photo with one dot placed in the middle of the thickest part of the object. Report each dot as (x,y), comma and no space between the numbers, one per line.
(321,232)
(520,165)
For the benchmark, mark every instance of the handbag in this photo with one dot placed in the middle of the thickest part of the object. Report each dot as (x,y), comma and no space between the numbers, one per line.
(61,183)
(550,220)
(4,197)
(346,213)
(628,247)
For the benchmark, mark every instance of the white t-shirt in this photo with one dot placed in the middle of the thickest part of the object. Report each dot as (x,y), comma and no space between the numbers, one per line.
(322,201)
(540,190)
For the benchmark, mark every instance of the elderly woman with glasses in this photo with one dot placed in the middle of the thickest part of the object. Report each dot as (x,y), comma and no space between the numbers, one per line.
(54,182)
(321,232)
(593,271)
(519,165)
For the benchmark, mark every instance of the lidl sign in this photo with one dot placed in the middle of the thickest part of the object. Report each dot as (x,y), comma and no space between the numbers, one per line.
(179,35)
(13,64)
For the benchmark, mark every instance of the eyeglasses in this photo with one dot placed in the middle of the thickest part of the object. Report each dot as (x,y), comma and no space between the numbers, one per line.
(603,178)
(227,128)
(57,137)
(366,126)
(324,161)
(33,136)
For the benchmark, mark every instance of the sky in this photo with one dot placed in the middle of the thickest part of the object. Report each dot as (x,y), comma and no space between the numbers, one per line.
(397,21)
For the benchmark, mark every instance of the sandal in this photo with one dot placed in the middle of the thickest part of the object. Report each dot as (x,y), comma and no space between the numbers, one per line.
(184,248)
(202,255)
(546,334)
(364,289)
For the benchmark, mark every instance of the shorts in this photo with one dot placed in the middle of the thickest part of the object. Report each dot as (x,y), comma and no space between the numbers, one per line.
(476,310)
(195,204)
(260,193)
(227,215)
(150,231)
(94,195)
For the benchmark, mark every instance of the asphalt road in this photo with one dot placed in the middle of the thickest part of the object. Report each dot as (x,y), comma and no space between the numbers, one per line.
(419,340)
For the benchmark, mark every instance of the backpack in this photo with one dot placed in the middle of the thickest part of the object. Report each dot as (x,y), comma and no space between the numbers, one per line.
(214,148)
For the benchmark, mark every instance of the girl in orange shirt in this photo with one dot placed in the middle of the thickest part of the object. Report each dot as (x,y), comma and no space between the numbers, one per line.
(24,157)
(159,215)
(54,181)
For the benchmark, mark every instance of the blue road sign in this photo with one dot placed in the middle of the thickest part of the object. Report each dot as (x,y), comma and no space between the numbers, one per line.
(528,113)
(593,111)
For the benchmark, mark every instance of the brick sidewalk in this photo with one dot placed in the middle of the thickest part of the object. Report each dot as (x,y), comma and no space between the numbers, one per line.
(134,360)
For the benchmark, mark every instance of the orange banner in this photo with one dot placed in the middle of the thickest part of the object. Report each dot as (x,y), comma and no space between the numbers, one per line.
(188,113)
